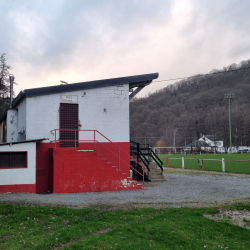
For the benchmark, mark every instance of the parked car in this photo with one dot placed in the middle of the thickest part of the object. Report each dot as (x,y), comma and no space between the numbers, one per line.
(243,149)
(220,150)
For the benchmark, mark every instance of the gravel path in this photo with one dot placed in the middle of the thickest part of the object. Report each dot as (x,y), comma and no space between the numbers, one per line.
(179,190)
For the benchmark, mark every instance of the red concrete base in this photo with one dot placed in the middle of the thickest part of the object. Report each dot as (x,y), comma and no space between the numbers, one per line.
(85,171)
(21,188)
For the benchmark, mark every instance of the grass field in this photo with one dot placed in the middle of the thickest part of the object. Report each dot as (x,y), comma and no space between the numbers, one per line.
(230,166)
(38,227)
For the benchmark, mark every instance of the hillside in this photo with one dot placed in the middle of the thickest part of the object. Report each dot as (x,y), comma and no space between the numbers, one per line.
(179,113)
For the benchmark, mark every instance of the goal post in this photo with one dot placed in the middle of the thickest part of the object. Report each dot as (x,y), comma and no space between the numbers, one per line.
(171,150)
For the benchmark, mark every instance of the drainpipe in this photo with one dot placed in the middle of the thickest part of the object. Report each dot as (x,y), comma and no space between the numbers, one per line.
(12,78)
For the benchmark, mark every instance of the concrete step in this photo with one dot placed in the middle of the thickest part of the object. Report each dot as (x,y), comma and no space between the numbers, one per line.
(155,173)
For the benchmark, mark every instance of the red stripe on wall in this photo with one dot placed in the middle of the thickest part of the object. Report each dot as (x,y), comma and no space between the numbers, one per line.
(19,188)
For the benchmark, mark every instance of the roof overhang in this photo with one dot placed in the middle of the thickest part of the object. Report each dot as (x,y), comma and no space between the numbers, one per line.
(20,142)
(137,81)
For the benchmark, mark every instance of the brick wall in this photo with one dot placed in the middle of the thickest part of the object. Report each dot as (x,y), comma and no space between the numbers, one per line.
(104,109)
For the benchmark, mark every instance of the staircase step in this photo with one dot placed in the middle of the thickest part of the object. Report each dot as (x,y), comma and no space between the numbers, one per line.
(113,177)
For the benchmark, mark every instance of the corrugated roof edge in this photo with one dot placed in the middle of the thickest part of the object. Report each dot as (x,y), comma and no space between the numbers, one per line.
(18,142)
(133,81)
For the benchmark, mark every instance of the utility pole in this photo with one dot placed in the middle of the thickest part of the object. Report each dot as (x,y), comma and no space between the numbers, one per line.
(229,96)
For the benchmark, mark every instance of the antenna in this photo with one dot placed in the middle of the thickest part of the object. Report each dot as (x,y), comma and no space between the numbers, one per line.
(12,78)
(63,82)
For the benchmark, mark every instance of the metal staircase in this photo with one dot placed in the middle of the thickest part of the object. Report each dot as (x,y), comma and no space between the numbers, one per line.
(145,155)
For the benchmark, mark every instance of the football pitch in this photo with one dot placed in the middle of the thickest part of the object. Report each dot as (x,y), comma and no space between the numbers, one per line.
(234,163)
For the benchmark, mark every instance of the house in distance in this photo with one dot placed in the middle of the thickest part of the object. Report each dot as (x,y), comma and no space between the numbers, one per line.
(69,138)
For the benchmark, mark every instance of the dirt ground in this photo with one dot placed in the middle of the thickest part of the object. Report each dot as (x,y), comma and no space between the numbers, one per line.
(240,218)
(180,188)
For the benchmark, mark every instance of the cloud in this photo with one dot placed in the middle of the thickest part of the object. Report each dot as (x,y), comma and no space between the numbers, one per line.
(212,34)
(56,36)
(48,41)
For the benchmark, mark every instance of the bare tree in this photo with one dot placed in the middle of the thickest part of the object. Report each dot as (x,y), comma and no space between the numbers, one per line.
(4,82)
(4,75)
(196,105)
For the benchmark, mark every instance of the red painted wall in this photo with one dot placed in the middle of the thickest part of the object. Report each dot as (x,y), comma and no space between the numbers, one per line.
(20,188)
(66,170)
(85,171)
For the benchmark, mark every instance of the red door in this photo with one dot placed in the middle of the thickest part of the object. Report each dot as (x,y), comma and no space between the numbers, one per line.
(44,168)
(69,122)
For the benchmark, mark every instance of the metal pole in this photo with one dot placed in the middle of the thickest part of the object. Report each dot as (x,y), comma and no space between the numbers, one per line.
(143,178)
(55,138)
(223,164)
(229,96)
(12,78)
(230,127)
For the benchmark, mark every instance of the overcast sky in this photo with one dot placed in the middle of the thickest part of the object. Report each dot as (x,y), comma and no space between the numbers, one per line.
(81,40)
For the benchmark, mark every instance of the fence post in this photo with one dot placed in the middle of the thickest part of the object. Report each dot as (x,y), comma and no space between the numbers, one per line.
(143,178)
(167,162)
(223,165)
(182,160)
(201,163)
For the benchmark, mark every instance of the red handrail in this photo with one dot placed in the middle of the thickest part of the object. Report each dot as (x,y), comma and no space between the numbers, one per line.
(120,149)
(124,161)
(95,141)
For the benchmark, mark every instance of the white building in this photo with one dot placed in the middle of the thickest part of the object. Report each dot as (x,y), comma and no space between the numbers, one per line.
(213,141)
(56,138)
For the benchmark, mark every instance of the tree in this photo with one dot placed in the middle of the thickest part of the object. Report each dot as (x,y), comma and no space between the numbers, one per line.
(4,75)
(196,105)
(4,82)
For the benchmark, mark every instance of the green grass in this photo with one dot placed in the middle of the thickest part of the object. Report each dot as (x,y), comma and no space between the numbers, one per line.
(247,222)
(230,166)
(38,227)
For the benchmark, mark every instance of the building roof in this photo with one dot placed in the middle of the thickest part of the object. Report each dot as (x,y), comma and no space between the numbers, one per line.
(133,81)
(212,137)
(19,142)
(198,144)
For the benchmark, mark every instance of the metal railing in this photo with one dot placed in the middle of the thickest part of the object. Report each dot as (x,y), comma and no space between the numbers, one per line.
(143,150)
(157,160)
(99,146)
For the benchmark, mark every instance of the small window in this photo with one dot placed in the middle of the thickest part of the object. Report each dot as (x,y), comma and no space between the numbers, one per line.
(13,159)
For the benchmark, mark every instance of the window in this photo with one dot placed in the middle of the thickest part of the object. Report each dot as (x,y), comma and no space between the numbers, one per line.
(69,125)
(13,160)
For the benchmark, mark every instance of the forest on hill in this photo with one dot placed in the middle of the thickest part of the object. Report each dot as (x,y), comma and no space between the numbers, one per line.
(179,113)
